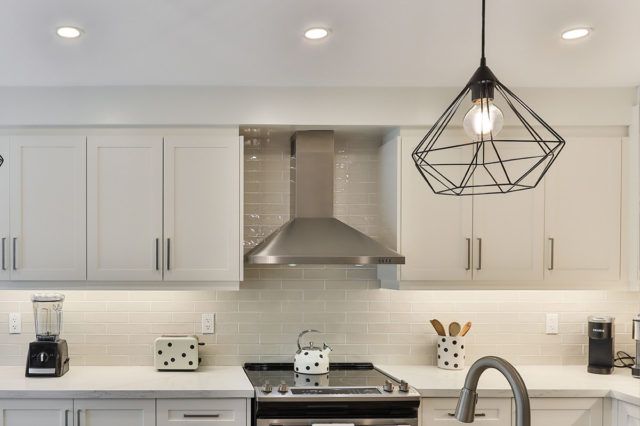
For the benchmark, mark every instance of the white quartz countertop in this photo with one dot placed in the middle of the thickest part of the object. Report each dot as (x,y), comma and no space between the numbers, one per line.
(553,381)
(128,382)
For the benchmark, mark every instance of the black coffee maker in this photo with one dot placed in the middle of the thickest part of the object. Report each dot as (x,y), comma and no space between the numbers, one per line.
(601,344)
(48,355)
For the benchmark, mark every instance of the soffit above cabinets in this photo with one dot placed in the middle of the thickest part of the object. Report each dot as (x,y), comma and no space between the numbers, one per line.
(371,43)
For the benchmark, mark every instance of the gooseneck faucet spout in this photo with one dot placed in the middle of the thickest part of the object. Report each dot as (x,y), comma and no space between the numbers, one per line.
(465,411)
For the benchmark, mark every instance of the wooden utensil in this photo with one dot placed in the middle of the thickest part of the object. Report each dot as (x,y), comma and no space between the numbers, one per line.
(454,329)
(437,325)
(465,328)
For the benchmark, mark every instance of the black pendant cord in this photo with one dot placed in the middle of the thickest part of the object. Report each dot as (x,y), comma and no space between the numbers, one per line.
(483,60)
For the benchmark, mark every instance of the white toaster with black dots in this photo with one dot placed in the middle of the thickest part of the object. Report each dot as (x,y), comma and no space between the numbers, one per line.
(173,352)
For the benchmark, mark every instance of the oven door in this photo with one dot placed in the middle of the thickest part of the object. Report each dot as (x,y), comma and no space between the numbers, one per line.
(338,422)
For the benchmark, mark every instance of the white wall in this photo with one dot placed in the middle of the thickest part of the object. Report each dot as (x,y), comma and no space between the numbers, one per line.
(137,106)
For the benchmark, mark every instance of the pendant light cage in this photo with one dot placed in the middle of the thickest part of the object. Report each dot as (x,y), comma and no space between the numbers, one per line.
(484,158)
(452,163)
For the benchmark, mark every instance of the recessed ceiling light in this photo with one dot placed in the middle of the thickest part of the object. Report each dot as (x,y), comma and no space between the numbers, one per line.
(69,32)
(316,33)
(576,33)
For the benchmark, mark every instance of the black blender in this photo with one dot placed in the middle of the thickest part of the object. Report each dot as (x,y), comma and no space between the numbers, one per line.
(48,355)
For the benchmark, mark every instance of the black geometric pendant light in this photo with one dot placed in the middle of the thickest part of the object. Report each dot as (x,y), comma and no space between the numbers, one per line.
(482,157)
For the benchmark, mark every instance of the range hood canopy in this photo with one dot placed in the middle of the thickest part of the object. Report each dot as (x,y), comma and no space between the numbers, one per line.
(313,235)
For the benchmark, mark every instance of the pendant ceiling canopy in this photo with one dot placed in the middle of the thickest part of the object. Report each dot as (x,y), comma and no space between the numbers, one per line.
(467,151)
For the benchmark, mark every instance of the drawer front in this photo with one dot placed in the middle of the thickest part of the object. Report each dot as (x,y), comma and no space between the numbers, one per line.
(439,411)
(202,412)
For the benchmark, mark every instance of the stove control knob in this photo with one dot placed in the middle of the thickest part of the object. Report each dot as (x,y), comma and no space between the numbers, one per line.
(267,388)
(43,357)
(388,386)
(404,386)
(283,388)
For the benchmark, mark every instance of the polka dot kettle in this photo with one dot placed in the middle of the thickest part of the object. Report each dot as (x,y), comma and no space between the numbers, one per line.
(311,359)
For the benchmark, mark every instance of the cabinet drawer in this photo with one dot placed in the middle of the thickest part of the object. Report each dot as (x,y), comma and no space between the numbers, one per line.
(439,411)
(202,412)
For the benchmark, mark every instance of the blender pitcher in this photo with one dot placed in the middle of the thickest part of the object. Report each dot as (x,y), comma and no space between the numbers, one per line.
(47,312)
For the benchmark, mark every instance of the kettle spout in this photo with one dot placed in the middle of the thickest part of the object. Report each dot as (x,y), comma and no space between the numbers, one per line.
(326,348)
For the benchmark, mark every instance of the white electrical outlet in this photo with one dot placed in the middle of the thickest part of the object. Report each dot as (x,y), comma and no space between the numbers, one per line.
(552,324)
(208,323)
(15,323)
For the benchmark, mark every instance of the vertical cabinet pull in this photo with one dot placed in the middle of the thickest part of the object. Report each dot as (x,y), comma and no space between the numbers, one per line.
(157,254)
(14,254)
(66,417)
(78,418)
(468,254)
(479,254)
(4,255)
(168,254)
(551,253)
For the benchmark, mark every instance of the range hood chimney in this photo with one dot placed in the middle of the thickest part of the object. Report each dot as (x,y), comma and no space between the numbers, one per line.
(313,235)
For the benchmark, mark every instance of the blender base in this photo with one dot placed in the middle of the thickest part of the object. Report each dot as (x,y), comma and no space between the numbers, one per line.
(47,358)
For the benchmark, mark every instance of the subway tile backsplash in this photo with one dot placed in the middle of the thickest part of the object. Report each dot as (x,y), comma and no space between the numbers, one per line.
(361,322)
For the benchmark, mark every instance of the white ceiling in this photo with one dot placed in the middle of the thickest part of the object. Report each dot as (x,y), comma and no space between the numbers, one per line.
(373,42)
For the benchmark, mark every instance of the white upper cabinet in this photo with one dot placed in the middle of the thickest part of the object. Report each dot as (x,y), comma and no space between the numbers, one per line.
(5,261)
(48,208)
(582,229)
(202,206)
(435,230)
(124,207)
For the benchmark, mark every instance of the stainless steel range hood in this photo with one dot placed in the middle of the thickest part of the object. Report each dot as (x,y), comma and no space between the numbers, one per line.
(313,235)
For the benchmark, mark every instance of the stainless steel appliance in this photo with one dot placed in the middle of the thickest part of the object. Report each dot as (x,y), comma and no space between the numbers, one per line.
(601,330)
(635,334)
(351,393)
(49,355)
(313,235)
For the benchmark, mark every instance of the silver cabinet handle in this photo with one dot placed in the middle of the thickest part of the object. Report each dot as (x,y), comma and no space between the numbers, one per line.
(157,254)
(78,418)
(551,253)
(168,254)
(200,416)
(468,254)
(4,260)
(475,415)
(479,254)
(14,253)
(66,417)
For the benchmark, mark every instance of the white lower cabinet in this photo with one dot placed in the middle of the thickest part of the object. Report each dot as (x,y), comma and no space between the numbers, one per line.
(36,412)
(202,412)
(566,411)
(110,412)
(626,414)
(440,411)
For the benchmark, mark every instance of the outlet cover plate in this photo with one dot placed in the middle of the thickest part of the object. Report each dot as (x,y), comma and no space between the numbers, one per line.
(208,323)
(15,323)
(552,324)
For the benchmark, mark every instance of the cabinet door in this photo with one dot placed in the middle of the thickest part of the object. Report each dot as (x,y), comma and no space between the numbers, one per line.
(202,412)
(440,411)
(5,270)
(508,236)
(36,412)
(566,412)
(435,229)
(582,211)
(202,206)
(124,208)
(48,207)
(628,415)
(110,412)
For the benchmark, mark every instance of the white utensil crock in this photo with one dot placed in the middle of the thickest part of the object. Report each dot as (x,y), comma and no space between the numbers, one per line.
(450,352)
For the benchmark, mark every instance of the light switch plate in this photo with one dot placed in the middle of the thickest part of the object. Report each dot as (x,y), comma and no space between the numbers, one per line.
(552,324)
(208,323)
(15,323)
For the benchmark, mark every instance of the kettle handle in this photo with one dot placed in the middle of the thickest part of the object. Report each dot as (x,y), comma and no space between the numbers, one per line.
(303,333)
